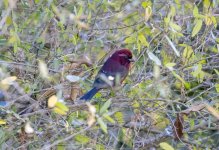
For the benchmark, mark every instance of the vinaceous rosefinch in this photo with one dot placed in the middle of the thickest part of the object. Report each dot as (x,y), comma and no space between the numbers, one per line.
(113,71)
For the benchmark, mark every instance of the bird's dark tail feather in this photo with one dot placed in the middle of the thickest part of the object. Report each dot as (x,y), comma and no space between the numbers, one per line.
(89,94)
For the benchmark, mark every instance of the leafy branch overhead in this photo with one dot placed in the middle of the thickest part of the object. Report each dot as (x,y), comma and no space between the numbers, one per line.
(51,52)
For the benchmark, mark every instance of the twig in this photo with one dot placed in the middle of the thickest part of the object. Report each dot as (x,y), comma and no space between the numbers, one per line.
(46,147)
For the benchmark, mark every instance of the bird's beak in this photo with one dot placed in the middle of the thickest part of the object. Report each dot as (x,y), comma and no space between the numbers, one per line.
(132,60)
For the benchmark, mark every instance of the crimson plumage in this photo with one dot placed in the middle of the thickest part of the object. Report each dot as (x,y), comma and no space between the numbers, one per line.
(116,67)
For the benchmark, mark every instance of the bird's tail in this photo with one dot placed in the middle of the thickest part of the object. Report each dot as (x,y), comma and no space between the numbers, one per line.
(89,94)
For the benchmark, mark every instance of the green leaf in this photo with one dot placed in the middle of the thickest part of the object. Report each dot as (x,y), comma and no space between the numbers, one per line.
(62,106)
(197,27)
(154,58)
(188,55)
(166,146)
(195,11)
(143,40)
(73,40)
(188,52)
(36,1)
(59,111)
(217,87)
(175,26)
(214,21)
(167,20)
(82,139)
(146,4)
(61,146)
(4,135)
(178,77)
(130,40)
(100,147)
(170,66)
(80,12)
(107,117)
(105,106)
(207,3)
(198,73)
(217,72)
(102,125)
(119,117)
(172,11)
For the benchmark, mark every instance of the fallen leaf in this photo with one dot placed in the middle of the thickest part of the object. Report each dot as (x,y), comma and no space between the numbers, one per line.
(2,122)
(28,129)
(73,78)
(178,127)
(213,111)
(92,111)
(44,73)
(9,80)
(52,101)
(166,146)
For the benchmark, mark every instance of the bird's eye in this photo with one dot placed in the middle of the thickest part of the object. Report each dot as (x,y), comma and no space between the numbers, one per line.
(128,57)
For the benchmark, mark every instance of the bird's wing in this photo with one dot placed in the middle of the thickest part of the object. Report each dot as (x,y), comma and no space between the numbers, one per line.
(109,73)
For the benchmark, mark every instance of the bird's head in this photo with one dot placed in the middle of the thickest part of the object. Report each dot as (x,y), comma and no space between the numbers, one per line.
(124,56)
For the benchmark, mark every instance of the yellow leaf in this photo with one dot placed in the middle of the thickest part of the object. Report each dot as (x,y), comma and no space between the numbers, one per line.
(213,111)
(188,54)
(12,40)
(59,111)
(108,118)
(43,69)
(119,117)
(92,111)
(62,106)
(197,27)
(9,20)
(208,20)
(148,13)
(166,146)
(146,4)
(130,40)
(214,21)
(156,72)
(9,80)
(143,40)
(52,101)
(2,122)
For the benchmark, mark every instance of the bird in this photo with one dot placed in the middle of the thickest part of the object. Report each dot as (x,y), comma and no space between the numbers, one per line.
(113,72)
